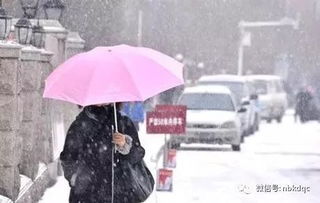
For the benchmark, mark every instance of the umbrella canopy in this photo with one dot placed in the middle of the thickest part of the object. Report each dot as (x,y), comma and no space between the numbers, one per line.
(113,74)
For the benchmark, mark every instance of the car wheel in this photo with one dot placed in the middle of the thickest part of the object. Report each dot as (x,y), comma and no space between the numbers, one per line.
(252,130)
(269,120)
(236,148)
(256,123)
(257,127)
(279,119)
(242,139)
(245,133)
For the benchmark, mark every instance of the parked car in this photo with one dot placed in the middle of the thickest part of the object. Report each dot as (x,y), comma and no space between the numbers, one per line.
(212,117)
(239,87)
(272,97)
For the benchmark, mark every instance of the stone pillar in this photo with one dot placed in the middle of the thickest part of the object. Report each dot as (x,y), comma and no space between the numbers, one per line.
(56,36)
(10,119)
(31,76)
(45,139)
(74,45)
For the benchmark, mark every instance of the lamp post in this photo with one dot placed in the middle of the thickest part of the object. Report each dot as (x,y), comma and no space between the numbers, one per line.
(30,8)
(38,36)
(245,40)
(245,37)
(53,9)
(140,24)
(5,23)
(23,31)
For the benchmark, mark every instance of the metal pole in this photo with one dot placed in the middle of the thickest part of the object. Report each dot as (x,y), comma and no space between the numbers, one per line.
(240,52)
(112,173)
(140,23)
(240,60)
(115,116)
(113,152)
(165,149)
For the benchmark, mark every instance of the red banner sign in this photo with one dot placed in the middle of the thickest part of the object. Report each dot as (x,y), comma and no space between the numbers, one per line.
(171,161)
(164,180)
(167,119)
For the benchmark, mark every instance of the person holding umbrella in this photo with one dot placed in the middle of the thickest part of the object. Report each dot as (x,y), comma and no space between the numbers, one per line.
(86,157)
(102,157)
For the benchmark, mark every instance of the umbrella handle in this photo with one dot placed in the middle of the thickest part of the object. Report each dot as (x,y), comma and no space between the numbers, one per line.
(112,173)
(113,152)
(115,116)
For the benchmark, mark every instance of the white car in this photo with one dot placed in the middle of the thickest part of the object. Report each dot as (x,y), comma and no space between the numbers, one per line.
(212,117)
(239,87)
(272,97)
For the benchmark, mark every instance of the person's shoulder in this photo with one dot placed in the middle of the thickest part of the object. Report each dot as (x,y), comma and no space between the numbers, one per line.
(82,120)
(83,115)
(80,124)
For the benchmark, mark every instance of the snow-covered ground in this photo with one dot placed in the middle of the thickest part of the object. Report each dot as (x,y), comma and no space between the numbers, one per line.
(283,155)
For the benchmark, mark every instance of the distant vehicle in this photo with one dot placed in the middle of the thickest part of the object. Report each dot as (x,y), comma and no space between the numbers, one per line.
(239,87)
(254,99)
(212,117)
(272,97)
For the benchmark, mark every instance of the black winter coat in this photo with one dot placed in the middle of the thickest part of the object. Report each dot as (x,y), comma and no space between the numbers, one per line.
(87,153)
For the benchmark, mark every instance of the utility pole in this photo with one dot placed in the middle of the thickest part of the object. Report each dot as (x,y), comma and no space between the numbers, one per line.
(140,26)
(240,52)
(243,35)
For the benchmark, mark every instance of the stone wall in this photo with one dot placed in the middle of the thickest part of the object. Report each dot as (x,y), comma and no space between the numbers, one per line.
(29,133)
(32,129)
(10,119)
(45,128)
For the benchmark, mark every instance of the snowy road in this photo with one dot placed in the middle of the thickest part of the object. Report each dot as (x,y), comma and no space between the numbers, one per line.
(283,155)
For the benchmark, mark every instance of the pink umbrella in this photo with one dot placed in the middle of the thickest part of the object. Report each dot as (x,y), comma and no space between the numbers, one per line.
(113,74)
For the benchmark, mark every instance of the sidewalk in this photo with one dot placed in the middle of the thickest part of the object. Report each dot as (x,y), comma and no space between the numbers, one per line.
(152,144)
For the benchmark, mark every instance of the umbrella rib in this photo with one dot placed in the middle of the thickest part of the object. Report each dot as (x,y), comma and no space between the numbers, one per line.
(155,61)
(88,88)
(164,69)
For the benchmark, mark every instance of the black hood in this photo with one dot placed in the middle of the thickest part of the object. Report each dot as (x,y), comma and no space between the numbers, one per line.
(101,113)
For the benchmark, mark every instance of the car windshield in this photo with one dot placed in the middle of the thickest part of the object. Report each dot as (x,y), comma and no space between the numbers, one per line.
(201,101)
(237,88)
(260,86)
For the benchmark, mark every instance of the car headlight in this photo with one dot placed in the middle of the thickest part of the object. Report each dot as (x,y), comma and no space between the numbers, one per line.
(229,124)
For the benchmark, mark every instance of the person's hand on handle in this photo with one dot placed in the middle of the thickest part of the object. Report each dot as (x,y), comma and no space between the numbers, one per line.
(119,139)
